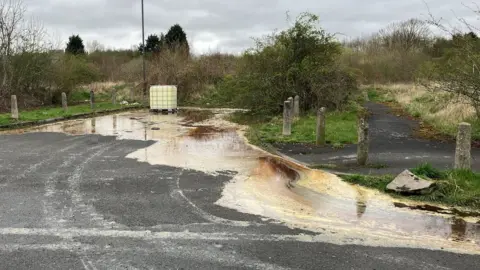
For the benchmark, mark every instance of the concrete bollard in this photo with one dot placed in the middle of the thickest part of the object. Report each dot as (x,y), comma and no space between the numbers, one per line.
(366,96)
(296,106)
(14,107)
(320,130)
(64,102)
(291,107)
(92,99)
(287,119)
(363,144)
(132,94)
(114,96)
(463,158)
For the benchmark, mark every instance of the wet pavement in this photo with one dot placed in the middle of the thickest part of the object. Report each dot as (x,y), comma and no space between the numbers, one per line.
(150,191)
(394,147)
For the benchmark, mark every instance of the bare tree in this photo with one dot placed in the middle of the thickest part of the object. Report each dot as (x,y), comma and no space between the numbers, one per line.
(459,72)
(95,46)
(405,36)
(12,14)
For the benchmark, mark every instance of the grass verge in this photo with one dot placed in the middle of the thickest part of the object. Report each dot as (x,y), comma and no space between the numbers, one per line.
(54,112)
(439,112)
(341,128)
(453,187)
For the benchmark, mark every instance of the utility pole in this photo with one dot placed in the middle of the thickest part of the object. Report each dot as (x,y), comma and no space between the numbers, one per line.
(143,56)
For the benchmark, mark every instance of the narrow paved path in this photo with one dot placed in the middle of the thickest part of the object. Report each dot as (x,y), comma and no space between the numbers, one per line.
(393,148)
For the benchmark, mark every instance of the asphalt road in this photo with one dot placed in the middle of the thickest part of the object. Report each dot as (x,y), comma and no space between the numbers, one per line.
(76,202)
(393,148)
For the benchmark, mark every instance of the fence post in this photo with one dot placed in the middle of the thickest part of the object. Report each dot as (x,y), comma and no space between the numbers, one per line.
(64,102)
(92,100)
(114,96)
(362,148)
(287,119)
(296,106)
(320,130)
(463,158)
(14,107)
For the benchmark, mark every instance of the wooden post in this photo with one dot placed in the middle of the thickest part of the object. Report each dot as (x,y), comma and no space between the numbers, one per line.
(92,99)
(463,158)
(296,106)
(64,102)
(287,119)
(14,107)
(320,130)
(362,148)
(114,96)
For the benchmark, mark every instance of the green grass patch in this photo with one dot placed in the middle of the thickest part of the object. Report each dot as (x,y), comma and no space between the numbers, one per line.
(83,95)
(79,96)
(427,170)
(341,128)
(453,187)
(378,96)
(375,182)
(53,112)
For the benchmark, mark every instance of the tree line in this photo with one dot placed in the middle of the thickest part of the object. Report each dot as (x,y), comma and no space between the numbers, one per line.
(301,60)
(174,39)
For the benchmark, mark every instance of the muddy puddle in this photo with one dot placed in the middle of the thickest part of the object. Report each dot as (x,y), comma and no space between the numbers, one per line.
(280,190)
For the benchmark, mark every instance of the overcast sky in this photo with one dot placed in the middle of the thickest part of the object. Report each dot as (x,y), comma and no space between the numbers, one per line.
(224,25)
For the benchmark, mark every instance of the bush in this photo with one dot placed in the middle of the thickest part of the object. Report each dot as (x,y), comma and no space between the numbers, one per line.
(457,71)
(70,71)
(300,61)
(192,75)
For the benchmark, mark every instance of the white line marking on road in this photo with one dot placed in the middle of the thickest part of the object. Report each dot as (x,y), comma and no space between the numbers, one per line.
(79,206)
(337,238)
(84,264)
(206,215)
(68,233)
(93,266)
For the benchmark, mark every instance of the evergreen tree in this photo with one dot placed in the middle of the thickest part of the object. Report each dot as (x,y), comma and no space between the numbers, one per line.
(176,38)
(152,44)
(75,45)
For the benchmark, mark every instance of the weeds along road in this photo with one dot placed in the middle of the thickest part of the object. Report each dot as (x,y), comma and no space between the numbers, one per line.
(141,191)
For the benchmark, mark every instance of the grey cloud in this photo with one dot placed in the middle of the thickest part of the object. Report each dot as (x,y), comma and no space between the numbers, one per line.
(222,24)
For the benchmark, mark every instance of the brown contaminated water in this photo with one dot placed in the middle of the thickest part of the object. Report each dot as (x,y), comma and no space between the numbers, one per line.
(277,189)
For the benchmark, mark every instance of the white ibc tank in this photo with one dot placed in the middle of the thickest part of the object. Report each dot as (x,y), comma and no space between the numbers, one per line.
(163,97)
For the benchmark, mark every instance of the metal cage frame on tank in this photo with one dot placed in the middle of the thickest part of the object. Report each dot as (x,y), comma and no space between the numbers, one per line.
(163,99)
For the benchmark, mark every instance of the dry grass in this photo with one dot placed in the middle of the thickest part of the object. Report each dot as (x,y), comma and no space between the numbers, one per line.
(100,87)
(442,110)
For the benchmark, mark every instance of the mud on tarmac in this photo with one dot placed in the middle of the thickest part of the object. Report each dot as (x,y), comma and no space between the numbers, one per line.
(279,190)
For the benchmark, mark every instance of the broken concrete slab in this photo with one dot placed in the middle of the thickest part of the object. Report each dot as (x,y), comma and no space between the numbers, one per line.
(409,183)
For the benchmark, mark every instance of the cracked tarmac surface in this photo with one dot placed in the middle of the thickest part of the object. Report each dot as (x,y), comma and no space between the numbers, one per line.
(121,194)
